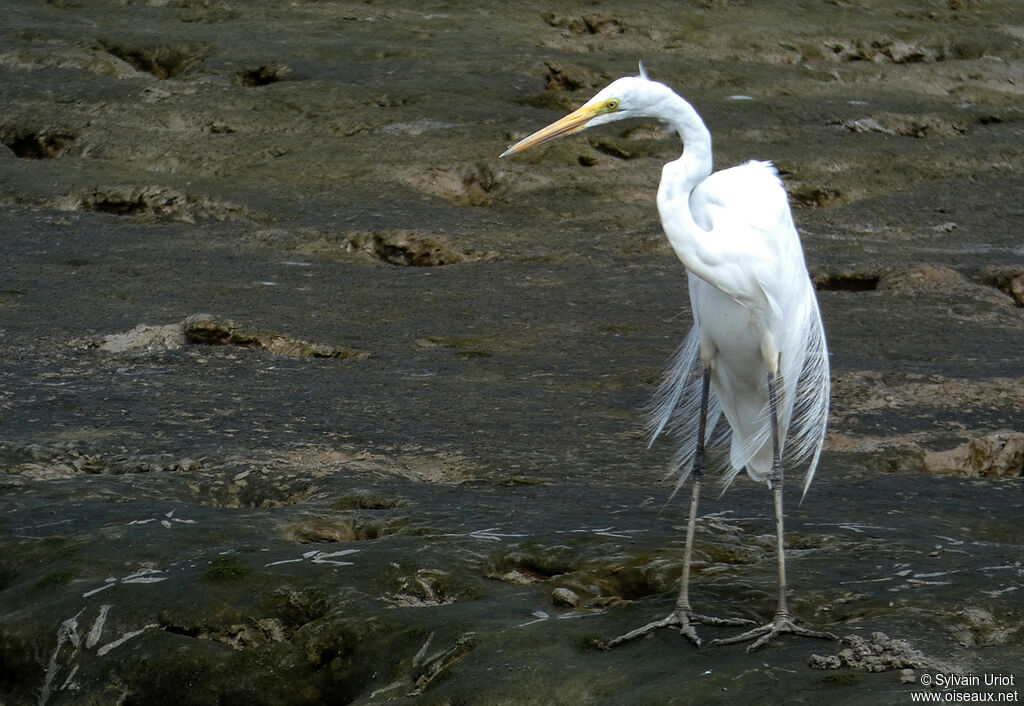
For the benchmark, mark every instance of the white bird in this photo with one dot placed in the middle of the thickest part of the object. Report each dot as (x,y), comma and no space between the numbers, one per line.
(756,353)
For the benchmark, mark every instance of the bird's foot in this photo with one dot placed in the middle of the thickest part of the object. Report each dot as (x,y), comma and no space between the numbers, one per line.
(680,620)
(780,624)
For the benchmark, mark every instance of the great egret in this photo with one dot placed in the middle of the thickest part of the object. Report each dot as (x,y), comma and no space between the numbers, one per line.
(756,352)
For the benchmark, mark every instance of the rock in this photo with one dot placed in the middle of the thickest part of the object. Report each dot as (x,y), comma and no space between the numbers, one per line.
(880,653)
(995,455)
(923,279)
(515,576)
(210,330)
(145,337)
(979,628)
(1008,279)
(206,329)
(1017,289)
(565,598)
(905,53)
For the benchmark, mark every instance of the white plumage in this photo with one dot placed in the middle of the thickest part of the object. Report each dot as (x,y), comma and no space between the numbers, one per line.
(756,353)
(760,288)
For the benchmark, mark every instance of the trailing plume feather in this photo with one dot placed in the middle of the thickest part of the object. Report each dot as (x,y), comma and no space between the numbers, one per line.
(675,408)
(810,409)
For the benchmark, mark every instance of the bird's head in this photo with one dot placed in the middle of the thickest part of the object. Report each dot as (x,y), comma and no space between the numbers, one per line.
(627,97)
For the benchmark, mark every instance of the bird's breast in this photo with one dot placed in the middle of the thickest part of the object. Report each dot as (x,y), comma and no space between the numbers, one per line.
(733,330)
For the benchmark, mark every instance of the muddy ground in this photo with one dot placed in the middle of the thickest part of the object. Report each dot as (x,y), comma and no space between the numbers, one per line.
(307,398)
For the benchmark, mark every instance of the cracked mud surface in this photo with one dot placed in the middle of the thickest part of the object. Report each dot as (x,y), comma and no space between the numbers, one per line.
(400,458)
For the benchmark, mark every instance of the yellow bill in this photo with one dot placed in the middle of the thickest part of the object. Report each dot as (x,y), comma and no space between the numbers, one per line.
(571,123)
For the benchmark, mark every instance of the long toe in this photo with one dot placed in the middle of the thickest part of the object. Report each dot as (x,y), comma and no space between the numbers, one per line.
(687,630)
(769,631)
(677,619)
(680,620)
(727,622)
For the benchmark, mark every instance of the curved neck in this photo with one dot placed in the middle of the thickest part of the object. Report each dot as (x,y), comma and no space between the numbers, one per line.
(681,176)
(696,157)
(687,235)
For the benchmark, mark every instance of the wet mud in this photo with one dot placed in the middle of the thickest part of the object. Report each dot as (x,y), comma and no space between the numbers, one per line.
(308,398)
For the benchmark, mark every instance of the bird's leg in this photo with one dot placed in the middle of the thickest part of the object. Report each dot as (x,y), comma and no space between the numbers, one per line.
(682,609)
(682,616)
(782,622)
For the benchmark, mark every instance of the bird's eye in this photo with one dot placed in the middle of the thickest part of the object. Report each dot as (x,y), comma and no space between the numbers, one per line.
(613,104)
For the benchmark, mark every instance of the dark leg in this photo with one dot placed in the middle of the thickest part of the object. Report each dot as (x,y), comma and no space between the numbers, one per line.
(697,474)
(682,616)
(782,623)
